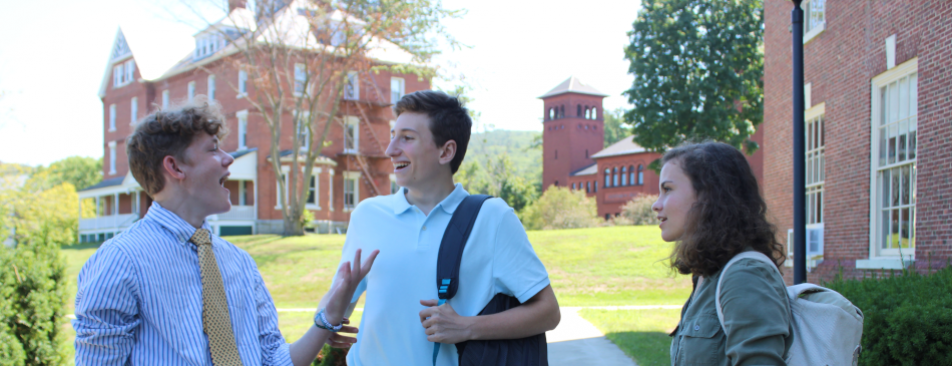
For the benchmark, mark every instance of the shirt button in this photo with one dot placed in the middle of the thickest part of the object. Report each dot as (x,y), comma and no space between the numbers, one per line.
(697,327)
(424,227)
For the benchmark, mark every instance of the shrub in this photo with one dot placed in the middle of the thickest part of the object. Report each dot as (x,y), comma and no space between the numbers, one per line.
(560,208)
(908,317)
(638,211)
(33,290)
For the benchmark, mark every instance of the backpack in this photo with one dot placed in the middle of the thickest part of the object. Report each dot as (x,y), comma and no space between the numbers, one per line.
(529,351)
(827,327)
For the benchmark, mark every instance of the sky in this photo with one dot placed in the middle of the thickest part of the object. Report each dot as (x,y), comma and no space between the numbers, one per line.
(54,53)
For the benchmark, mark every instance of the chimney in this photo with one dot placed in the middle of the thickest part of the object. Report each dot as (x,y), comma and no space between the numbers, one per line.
(235,4)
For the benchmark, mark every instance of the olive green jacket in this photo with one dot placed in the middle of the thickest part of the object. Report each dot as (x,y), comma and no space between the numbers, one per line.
(756,314)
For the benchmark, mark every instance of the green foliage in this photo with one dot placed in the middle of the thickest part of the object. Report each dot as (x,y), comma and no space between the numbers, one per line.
(498,178)
(307,219)
(560,208)
(33,290)
(698,67)
(907,317)
(520,147)
(614,129)
(79,171)
(638,210)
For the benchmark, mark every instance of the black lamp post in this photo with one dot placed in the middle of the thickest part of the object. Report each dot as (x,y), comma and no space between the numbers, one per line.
(799,180)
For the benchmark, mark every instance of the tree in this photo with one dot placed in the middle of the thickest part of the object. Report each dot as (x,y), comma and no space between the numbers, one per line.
(305,58)
(698,67)
(560,208)
(614,128)
(499,179)
(81,172)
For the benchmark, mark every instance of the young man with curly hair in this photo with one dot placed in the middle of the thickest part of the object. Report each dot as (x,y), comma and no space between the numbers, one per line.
(167,291)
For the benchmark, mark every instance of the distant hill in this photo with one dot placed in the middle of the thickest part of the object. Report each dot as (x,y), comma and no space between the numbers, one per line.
(488,145)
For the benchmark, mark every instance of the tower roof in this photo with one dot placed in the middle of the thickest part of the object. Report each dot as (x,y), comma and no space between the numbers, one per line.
(573,85)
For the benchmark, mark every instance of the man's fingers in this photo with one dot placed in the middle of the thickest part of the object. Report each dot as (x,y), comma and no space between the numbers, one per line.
(430,302)
(426,313)
(369,263)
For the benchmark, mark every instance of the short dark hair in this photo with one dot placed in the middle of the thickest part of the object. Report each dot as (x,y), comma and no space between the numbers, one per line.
(449,120)
(729,215)
(169,132)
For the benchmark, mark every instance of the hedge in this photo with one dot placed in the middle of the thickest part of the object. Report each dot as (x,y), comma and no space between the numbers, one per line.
(908,316)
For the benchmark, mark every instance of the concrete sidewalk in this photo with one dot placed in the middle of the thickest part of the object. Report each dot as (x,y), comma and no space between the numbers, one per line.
(577,342)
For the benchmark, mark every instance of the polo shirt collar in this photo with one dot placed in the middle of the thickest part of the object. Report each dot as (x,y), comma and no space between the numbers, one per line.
(178,227)
(448,205)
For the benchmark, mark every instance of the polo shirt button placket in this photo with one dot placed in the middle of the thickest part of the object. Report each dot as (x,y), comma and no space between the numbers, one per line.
(424,227)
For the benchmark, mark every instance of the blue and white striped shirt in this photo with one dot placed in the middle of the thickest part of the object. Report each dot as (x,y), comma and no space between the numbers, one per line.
(139,300)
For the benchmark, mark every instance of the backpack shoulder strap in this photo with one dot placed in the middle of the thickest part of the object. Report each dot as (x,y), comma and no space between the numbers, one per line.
(752,254)
(454,240)
(451,250)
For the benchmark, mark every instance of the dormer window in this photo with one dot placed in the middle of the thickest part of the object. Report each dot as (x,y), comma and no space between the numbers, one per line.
(208,44)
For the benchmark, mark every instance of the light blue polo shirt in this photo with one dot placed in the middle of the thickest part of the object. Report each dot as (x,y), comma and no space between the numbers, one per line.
(498,258)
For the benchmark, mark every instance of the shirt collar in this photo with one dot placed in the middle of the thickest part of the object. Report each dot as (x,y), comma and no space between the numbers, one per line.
(448,205)
(178,227)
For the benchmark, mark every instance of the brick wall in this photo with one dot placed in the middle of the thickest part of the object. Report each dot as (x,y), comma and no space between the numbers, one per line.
(840,63)
(572,137)
(611,199)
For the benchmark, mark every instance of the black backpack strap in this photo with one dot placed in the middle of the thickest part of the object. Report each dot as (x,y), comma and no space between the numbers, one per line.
(454,240)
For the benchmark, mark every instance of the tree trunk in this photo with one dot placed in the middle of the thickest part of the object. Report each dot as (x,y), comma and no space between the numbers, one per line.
(292,227)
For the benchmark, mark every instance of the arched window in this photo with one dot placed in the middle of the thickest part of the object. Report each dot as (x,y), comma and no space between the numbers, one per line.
(562,111)
(641,175)
(608,177)
(631,172)
(615,177)
(594,113)
(551,113)
(624,176)
(588,187)
(579,111)
(588,113)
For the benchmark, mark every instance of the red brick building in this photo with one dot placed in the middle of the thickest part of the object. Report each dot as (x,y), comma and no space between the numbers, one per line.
(351,168)
(573,138)
(879,129)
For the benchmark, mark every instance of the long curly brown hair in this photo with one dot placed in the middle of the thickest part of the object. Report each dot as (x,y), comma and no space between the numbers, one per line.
(729,215)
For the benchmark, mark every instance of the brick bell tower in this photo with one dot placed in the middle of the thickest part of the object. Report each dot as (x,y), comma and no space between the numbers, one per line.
(572,130)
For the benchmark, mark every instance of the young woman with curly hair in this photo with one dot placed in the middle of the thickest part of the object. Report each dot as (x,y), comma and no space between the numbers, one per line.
(710,206)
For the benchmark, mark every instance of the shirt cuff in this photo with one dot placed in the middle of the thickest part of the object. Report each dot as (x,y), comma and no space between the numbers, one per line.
(281,356)
(533,290)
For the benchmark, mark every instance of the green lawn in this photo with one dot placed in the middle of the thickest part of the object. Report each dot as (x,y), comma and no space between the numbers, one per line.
(622,265)
(641,334)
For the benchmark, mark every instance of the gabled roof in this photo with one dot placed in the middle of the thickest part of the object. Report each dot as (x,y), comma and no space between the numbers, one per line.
(105,183)
(573,85)
(589,170)
(154,52)
(626,146)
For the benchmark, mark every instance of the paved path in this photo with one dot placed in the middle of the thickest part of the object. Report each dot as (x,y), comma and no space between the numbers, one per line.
(577,342)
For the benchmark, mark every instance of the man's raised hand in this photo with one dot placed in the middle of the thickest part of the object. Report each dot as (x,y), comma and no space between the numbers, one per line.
(349,276)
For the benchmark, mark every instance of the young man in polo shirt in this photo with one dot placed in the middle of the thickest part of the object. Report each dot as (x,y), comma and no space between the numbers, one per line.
(167,291)
(401,319)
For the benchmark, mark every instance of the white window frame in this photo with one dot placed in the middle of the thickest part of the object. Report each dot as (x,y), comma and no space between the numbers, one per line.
(352,88)
(300,77)
(130,70)
(355,177)
(242,129)
(304,135)
(815,177)
(191,91)
(118,75)
(242,84)
(814,19)
(112,157)
(211,87)
(879,257)
(165,99)
(330,189)
(134,112)
(242,192)
(316,178)
(112,117)
(397,89)
(352,126)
